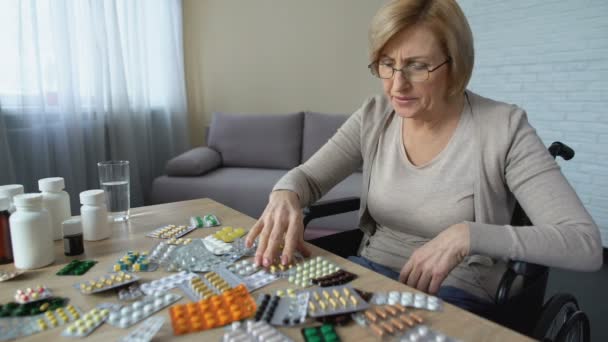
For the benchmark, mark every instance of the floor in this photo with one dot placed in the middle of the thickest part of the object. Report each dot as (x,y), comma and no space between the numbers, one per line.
(591,292)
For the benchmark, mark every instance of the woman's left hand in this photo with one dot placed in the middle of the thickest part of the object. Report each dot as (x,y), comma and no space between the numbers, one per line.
(430,264)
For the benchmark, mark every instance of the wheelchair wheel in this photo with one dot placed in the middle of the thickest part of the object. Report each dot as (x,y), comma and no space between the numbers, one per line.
(562,320)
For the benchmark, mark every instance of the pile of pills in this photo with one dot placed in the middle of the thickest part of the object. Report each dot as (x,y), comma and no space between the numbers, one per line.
(423,333)
(254,331)
(206,221)
(4,276)
(107,282)
(318,267)
(86,324)
(136,311)
(340,277)
(76,267)
(131,293)
(166,283)
(135,262)
(282,310)
(170,231)
(145,331)
(334,300)
(228,234)
(409,299)
(30,295)
(57,317)
(325,333)
(391,319)
(216,246)
(243,268)
(233,305)
(179,241)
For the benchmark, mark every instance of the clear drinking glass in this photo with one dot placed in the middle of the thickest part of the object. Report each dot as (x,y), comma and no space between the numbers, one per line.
(114,180)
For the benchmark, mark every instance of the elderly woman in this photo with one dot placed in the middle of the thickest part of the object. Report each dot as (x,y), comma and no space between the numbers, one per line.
(442,169)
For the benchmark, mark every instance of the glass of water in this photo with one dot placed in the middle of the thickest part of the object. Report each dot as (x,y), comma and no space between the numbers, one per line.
(114,180)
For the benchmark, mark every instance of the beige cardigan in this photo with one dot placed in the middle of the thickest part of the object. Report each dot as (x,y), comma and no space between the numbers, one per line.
(513,164)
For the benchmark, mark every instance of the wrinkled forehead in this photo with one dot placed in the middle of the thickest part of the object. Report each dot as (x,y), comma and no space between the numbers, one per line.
(416,42)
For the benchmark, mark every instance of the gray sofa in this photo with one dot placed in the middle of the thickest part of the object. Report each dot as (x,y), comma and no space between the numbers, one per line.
(246,155)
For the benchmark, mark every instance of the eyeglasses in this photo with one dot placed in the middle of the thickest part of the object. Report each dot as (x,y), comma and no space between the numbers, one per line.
(415,72)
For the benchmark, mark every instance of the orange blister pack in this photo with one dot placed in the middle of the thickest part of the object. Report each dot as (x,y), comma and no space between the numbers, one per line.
(216,311)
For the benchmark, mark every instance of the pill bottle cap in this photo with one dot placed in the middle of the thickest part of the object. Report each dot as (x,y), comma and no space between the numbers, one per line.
(28,200)
(93,197)
(5,203)
(72,226)
(11,190)
(53,184)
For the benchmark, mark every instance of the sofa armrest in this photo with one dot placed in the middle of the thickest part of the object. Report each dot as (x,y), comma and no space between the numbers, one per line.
(195,162)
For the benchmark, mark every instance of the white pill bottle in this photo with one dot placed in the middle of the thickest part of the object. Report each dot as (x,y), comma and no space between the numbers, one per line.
(56,202)
(10,191)
(94,215)
(31,233)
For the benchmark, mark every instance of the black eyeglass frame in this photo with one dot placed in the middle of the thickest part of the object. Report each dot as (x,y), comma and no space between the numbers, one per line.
(374,66)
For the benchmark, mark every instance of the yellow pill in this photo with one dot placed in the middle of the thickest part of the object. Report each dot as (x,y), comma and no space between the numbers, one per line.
(343,301)
(128,277)
(108,282)
(326,294)
(311,307)
(333,303)
(354,300)
(336,293)
(346,292)
(316,295)
(322,305)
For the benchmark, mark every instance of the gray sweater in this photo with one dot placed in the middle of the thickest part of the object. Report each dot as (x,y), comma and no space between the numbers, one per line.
(513,165)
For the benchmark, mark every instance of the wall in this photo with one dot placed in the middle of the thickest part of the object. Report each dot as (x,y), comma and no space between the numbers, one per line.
(283,56)
(550,57)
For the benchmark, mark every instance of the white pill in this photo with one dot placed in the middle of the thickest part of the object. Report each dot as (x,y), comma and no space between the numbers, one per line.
(148,309)
(125,311)
(136,316)
(423,330)
(124,321)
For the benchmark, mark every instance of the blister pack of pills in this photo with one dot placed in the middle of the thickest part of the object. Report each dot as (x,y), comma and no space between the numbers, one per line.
(216,246)
(76,267)
(409,299)
(303,273)
(4,276)
(240,250)
(259,280)
(254,332)
(133,292)
(31,295)
(108,306)
(134,261)
(170,231)
(57,317)
(140,309)
(387,320)
(145,331)
(210,284)
(195,257)
(216,311)
(31,309)
(243,268)
(229,234)
(106,282)
(340,277)
(285,310)
(324,333)
(161,253)
(166,283)
(179,241)
(206,221)
(86,324)
(423,333)
(334,300)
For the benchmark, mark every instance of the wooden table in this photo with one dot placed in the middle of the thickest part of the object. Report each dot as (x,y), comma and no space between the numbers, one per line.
(131,236)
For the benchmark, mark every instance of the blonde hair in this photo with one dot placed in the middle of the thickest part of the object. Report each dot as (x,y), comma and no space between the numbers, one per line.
(444,18)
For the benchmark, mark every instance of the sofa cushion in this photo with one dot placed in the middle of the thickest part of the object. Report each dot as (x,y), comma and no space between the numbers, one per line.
(318,128)
(272,141)
(243,189)
(195,162)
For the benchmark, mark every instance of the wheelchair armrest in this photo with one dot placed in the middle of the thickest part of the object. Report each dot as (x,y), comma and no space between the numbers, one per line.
(529,271)
(330,207)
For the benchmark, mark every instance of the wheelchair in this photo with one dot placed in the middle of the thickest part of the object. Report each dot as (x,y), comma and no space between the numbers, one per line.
(559,319)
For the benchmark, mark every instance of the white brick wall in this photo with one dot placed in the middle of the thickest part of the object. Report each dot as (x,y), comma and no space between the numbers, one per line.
(551,58)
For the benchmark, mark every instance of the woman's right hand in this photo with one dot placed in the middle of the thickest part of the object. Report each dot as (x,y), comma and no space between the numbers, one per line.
(280,224)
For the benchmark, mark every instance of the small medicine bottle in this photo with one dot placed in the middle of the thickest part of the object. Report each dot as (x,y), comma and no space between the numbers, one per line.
(94,215)
(73,243)
(6,249)
(56,202)
(31,233)
(10,191)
